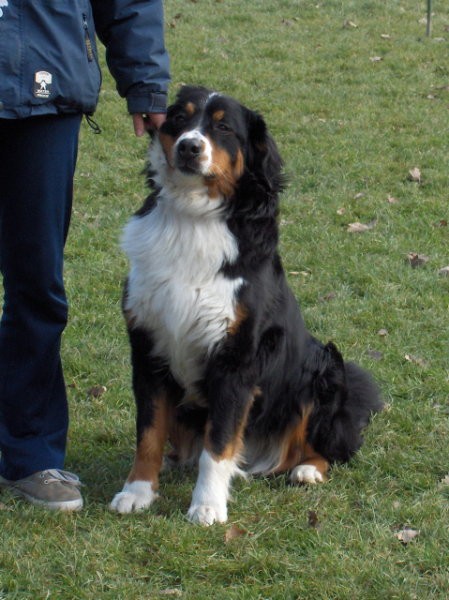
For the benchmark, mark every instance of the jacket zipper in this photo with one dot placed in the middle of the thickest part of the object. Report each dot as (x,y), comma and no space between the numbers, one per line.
(87,40)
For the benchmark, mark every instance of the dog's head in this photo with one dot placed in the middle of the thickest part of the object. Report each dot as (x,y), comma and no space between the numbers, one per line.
(212,139)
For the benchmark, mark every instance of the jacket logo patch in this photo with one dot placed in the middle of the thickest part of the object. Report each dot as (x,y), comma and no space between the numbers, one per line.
(42,84)
(3,3)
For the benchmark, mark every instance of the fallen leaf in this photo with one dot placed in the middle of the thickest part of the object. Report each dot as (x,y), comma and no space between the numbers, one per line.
(361,227)
(341,211)
(444,272)
(416,360)
(385,36)
(312,519)
(407,534)
(359,195)
(375,354)
(416,260)
(414,175)
(294,273)
(445,480)
(235,532)
(96,391)
(375,59)
(328,297)
(392,200)
(440,223)
(349,24)
(382,332)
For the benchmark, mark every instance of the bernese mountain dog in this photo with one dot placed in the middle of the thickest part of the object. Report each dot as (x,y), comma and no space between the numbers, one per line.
(223,366)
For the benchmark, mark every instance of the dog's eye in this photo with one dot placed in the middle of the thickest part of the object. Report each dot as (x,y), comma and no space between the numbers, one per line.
(223,127)
(179,119)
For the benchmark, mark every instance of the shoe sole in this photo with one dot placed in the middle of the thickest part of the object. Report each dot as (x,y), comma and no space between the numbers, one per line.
(67,506)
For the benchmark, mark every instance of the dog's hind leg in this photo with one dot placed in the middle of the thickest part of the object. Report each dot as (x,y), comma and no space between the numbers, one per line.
(312,469)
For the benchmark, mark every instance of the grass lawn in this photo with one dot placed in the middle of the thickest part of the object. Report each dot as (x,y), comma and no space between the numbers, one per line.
(356,97)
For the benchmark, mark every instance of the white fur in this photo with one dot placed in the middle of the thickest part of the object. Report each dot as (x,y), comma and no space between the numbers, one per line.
(175,289)
(135,496)
(306,474)
(211,493)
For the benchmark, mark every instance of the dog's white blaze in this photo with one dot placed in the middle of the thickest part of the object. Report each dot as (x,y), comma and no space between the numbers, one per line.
(211,493)
(175,290)
(206,155)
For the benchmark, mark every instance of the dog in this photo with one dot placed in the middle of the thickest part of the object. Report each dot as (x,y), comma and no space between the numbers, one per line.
(223,365)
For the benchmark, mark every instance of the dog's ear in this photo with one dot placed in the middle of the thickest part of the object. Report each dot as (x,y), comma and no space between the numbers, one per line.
(263,159)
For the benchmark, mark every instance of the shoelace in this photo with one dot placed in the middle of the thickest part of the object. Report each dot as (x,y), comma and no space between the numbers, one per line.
(54,475)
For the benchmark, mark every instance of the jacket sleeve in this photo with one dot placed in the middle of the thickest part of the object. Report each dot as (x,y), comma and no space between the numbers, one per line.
(133,33)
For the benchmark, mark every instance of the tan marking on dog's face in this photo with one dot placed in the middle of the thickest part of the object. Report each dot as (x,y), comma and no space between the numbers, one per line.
(150,448)
(190,109)
(168,143)
(224,173)
(218,115)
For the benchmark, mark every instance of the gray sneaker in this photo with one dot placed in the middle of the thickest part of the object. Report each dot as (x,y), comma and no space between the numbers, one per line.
(53,488)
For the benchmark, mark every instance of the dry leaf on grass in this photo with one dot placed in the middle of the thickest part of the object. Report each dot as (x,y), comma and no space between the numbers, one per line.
(407,534)
(312,519)
(416,260)
(385,36)
(235,532)
(445,480)
(382,332)
(392,200)
(328,297)
(414,175)
(349,24)
(96,391)
(374,354)
(375,59)
(444,272)
(416,360)
(361,227)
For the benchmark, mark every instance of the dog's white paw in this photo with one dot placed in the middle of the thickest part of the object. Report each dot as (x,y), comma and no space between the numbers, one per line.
(207,514)
(135,496)
(306,474)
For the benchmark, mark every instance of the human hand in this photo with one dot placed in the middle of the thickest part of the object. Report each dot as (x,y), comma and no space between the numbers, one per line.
(149,122)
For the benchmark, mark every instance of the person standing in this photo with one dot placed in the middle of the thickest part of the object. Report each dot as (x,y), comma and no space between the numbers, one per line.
(49,79)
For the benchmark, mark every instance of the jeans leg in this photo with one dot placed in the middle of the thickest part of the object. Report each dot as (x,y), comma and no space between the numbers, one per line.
(37,163)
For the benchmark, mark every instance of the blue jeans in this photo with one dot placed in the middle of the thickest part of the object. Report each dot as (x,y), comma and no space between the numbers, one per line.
(37,164)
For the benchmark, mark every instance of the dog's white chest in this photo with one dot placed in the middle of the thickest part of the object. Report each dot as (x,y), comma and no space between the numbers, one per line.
(176,290)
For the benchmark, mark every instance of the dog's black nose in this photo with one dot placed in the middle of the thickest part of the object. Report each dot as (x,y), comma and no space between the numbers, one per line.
(188,149)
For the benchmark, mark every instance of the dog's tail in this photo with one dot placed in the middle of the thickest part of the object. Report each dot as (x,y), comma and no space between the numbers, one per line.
(346,398)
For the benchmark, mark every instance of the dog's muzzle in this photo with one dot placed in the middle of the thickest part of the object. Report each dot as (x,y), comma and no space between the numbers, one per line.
(193,153)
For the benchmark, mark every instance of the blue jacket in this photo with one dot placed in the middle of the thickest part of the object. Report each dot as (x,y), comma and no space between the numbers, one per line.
(48,56)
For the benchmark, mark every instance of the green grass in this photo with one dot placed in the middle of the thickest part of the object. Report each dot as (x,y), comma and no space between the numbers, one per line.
(349,129)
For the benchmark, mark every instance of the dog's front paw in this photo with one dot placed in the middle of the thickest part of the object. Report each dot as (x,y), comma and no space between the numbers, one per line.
(306,474)
(207,514)
(135,496)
